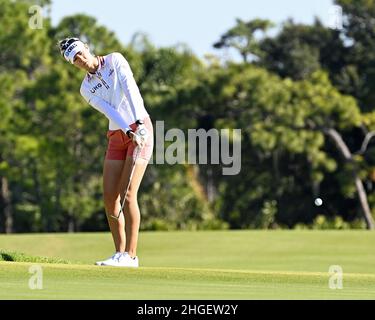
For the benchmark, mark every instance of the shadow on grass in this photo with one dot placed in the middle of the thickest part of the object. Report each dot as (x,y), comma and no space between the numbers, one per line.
(5,257)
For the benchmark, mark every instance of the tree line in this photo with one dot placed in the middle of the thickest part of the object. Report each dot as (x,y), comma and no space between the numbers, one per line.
(302,98)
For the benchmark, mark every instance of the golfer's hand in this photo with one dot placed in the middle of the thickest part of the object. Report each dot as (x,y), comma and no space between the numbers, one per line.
(139,137)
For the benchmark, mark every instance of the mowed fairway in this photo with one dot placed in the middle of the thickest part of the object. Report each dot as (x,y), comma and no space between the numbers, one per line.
(197,265)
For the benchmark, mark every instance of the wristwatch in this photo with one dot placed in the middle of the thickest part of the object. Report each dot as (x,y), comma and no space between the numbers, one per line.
(128,133)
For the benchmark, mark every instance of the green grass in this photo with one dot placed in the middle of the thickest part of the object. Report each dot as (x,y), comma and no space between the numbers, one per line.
(194,265)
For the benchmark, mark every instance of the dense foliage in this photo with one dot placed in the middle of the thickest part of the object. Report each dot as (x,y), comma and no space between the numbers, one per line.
(303,100)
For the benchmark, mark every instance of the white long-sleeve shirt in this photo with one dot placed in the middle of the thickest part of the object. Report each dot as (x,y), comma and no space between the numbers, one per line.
(113,91)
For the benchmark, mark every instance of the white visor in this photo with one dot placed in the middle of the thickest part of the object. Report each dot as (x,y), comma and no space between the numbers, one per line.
(73,49)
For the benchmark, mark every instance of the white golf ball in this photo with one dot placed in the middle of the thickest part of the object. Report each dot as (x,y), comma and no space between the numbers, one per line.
(318,202)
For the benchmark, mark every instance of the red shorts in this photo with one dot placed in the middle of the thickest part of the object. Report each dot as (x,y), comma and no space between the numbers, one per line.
(120,146)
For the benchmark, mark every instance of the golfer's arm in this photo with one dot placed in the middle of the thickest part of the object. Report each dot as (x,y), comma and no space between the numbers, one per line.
(111,113)
(128,84)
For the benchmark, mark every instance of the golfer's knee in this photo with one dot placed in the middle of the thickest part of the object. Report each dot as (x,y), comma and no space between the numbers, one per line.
(110,199)
(131,197)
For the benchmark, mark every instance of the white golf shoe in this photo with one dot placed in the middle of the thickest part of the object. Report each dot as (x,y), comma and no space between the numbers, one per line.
(123,260)
(109,260)
(128,261)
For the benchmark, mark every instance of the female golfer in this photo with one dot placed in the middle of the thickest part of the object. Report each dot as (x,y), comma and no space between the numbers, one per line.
(109,87)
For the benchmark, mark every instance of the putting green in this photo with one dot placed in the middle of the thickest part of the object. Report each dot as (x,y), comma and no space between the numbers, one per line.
(197,265)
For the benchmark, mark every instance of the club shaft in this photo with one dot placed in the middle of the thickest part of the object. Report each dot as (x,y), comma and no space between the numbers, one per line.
(127,188)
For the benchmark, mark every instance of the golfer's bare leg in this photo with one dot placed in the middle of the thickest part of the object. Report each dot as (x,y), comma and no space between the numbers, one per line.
(131,209)
(111,189)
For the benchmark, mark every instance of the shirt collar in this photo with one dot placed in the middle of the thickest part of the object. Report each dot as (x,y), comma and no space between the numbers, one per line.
(101,61)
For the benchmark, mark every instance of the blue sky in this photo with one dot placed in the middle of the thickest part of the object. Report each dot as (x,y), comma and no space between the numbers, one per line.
(198,23)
